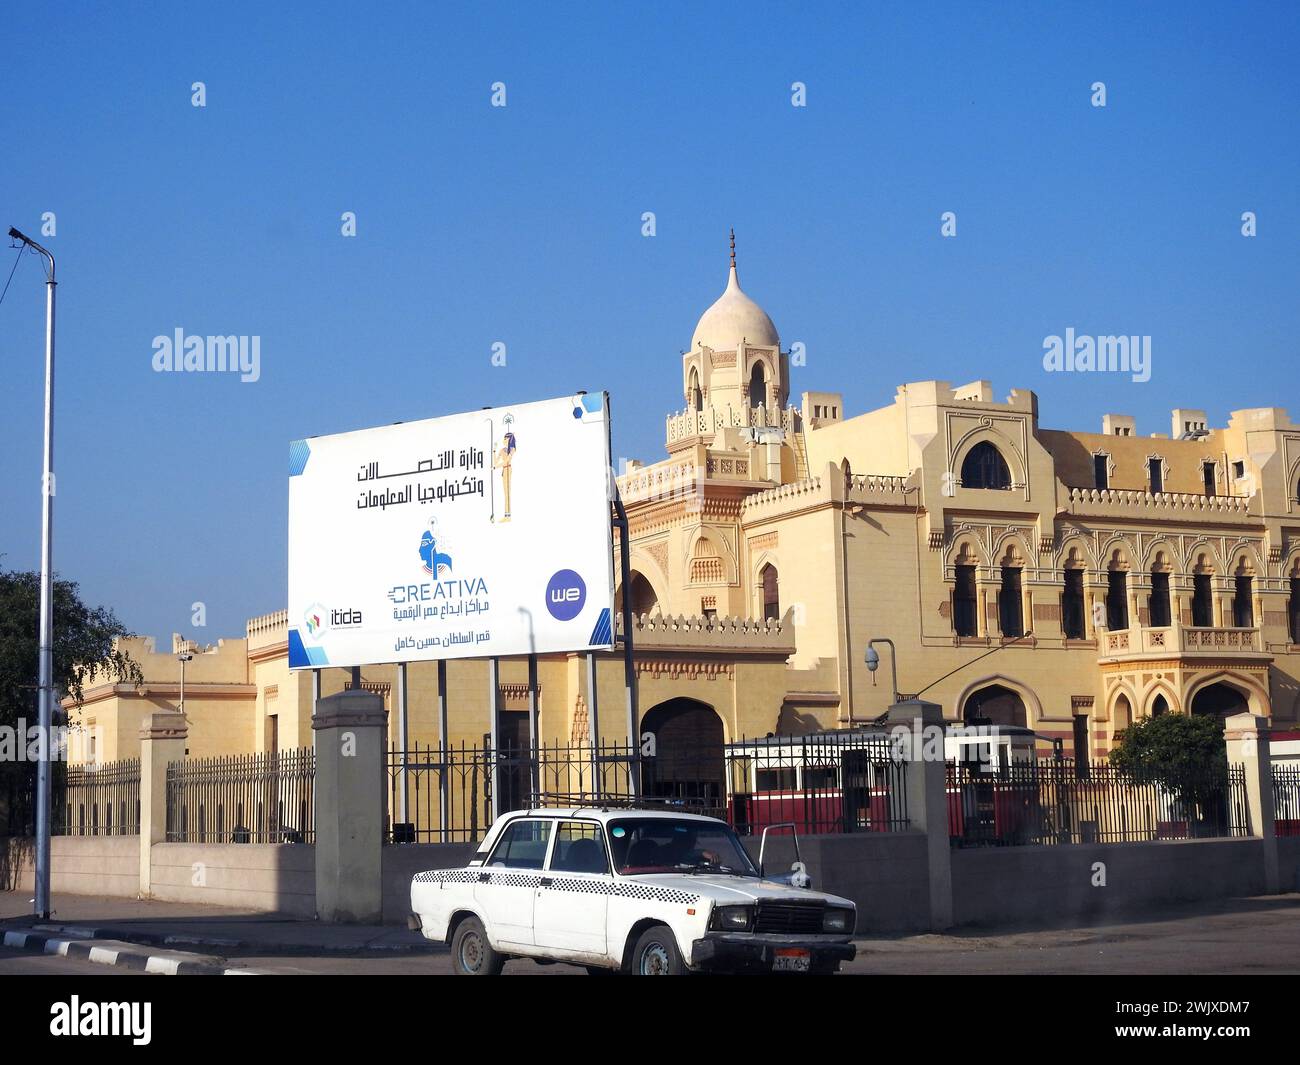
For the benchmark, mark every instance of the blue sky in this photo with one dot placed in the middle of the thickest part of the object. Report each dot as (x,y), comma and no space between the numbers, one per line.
(523,225)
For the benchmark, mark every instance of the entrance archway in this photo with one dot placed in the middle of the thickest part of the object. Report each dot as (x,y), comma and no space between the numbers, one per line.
(1219,700)
(687,760)
(995,705)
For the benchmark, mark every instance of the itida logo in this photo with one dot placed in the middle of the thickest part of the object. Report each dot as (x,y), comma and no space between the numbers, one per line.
(315,619)
(565,595)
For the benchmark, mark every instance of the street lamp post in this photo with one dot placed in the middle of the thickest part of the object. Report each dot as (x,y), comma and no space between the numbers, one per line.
(184,657)
(45,682)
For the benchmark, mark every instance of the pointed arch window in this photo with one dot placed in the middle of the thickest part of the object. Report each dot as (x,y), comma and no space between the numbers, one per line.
(757,386)
(771,593)
(984,467)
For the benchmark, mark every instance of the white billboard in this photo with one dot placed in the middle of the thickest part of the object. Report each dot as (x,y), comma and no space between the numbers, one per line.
(469,536)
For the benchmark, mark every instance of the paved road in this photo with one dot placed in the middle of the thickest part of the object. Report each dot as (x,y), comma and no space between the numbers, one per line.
(1247,936)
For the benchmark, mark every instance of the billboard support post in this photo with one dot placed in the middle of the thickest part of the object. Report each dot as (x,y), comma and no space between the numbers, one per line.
(534,731)
(494,735)
(629,666)
(404,736)
(444,783)
(593,723)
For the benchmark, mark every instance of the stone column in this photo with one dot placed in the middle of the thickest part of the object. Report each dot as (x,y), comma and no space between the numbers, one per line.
(1248,745)
(927,799)
(350,731)
(162,740)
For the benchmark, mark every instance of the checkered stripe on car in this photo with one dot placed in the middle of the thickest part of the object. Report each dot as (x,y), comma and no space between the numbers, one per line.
(622,890)
(447,876)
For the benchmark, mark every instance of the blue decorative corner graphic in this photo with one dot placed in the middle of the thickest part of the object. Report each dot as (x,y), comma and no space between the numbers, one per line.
(301,655)
(601,634)
(299,453)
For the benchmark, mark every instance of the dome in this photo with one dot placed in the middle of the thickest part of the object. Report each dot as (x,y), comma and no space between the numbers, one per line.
(734,317)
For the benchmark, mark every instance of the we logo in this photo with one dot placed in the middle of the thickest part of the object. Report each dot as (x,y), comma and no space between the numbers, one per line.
(566,592)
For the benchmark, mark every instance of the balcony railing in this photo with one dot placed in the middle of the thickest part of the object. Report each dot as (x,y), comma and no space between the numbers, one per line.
(1179,639)
(1180,503)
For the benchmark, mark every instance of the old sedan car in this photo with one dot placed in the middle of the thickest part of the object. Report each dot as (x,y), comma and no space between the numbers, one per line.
(649,892)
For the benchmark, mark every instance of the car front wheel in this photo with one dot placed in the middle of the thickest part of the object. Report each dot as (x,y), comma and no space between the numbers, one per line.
(656,953)
(471,953)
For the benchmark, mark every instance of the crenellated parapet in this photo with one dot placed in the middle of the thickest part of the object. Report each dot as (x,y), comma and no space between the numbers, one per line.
(660,632)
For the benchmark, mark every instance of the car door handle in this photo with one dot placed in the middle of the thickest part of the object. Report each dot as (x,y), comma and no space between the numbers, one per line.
(544,882)
(483,878)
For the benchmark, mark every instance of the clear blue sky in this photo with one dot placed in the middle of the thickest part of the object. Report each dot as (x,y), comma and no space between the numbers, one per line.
(522,225)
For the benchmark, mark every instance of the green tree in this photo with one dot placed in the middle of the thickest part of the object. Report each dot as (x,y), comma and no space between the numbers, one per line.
(1184,754)
(83,645)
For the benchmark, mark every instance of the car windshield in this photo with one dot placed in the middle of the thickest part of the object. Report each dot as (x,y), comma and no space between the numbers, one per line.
(674,845)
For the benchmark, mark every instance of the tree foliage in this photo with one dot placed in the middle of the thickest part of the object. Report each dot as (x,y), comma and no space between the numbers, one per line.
(1184,754)
(83,645)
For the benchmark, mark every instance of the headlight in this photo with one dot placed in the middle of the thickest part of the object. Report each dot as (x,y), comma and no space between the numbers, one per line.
(838,920)
(733,918)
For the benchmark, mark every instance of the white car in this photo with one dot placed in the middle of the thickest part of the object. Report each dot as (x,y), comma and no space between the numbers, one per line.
(627,890)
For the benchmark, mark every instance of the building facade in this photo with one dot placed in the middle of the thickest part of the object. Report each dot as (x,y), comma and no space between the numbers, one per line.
(1071,582)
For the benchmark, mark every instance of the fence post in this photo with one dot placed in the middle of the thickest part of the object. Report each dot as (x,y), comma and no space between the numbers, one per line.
(162,740)
(1248,745)
(927,796)
(350,729)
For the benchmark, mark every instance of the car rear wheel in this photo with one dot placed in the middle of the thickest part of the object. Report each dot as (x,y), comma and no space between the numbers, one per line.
(471,953)
(656,953)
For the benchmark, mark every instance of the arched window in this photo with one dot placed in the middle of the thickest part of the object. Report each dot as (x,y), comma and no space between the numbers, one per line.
(771,593)
(984,467)
(1159,706)
(757,386)
(696,397)
(644,600)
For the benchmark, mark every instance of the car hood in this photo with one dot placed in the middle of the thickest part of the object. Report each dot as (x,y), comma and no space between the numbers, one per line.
(732,890)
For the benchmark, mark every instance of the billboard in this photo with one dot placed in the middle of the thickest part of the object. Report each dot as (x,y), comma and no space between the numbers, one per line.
(468,536)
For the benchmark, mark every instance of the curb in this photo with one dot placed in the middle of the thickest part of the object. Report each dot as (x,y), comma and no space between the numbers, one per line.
(190,941)
(102,951)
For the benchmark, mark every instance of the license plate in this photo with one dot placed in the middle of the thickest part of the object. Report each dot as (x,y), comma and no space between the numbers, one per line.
(791,961)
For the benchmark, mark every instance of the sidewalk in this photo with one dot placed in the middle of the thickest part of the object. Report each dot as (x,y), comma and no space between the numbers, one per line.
(214,929)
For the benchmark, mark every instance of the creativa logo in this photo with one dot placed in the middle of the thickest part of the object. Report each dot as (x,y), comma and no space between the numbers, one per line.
(434,560)
(565,595)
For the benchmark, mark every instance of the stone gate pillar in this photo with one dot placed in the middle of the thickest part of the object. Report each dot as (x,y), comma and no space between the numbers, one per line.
(1248,746)
(351,730)
(927,798)
(162,740)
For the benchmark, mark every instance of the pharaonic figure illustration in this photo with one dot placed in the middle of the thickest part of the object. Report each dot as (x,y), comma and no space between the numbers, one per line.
(504,457)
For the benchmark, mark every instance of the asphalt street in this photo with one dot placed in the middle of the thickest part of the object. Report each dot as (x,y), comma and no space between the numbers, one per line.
(1248,936)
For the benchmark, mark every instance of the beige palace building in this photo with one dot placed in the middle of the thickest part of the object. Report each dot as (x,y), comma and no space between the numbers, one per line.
(1068,581)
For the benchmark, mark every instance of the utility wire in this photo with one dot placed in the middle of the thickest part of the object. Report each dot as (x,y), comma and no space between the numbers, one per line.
(21,248)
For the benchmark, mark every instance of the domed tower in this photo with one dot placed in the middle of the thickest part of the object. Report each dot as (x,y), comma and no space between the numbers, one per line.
(734,375)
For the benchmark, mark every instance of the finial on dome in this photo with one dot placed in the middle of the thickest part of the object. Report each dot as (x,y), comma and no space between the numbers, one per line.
(733,248)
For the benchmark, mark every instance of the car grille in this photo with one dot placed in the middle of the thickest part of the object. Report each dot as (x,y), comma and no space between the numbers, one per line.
(789,917)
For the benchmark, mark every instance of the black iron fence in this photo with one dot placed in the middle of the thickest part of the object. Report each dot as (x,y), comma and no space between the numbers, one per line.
(243,798)
(442,794)
(1053,801)
(1286,798)
(100,800)
(85,800)
(822,783)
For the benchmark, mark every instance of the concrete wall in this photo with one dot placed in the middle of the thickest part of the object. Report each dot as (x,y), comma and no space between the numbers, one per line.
(81,865)
(1288,861)
(264,877)
(401,862)
(1029,885)
(884,873)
